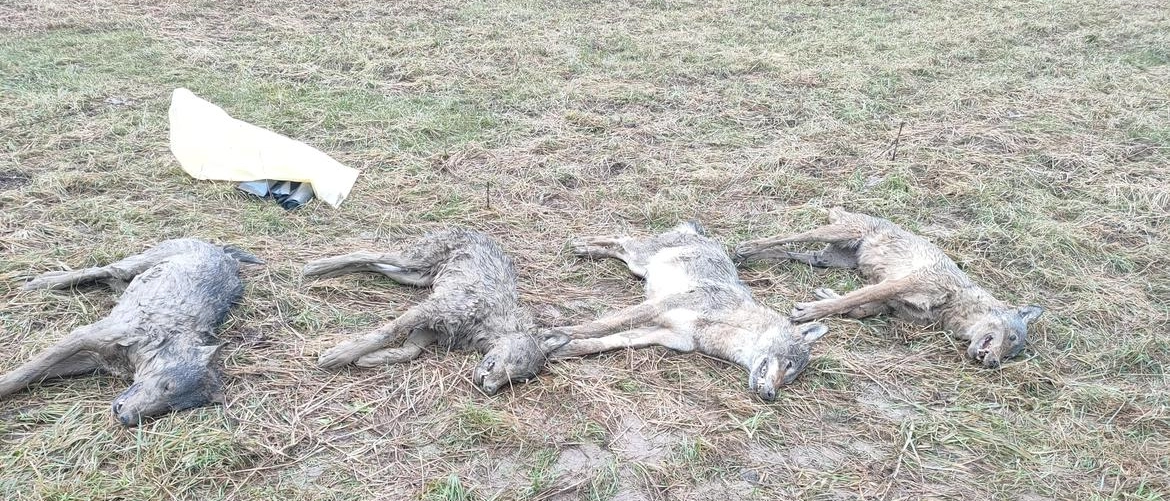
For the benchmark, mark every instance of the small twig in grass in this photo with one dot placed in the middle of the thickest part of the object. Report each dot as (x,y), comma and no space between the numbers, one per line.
(894,153)
(489,195)
(902,453)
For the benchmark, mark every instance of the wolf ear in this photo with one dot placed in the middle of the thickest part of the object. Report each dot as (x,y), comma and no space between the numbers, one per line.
(551,339)
(1029,313)
(812,331)
(208,353)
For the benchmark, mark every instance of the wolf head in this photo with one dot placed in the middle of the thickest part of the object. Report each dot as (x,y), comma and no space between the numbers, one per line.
(173,383)
(780,355)
(516,358)
(1000,334)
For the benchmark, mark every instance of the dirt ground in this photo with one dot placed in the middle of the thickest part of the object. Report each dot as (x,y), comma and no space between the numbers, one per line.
(1030,140)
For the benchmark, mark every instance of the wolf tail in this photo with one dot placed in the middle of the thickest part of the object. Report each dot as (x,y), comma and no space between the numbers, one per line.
(241,255)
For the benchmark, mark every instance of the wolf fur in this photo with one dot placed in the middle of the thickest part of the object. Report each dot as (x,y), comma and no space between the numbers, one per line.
(473,305)
(160,333)
(909,277)
(694,302)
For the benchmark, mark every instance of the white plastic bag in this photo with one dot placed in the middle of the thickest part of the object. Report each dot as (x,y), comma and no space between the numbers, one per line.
(209,144)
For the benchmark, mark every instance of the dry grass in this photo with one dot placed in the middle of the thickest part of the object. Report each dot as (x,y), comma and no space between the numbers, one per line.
(1035,149)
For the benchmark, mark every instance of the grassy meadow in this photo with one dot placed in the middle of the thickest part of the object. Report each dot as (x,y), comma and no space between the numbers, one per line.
(1030,140)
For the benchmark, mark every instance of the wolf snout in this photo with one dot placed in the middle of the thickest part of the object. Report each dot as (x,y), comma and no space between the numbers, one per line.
(485,384)
(983,351)
(126,418)
(489,389)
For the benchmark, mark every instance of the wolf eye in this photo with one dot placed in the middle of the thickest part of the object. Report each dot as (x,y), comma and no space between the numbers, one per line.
(1012,337)
(168,386)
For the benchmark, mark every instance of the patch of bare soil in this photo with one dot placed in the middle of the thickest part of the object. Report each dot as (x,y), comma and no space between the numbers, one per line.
(12,180)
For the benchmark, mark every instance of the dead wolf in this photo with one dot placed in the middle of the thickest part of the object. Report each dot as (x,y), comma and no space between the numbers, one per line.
(694,301)
(160,333)
(473,305)
(909,276)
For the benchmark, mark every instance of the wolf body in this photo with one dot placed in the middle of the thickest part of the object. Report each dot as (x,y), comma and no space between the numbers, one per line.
(160,333)
(473,305)
(694,302)
(909,277)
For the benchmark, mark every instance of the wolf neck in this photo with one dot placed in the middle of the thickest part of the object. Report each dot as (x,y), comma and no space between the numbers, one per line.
(152,356)
(966,305)
(741,335)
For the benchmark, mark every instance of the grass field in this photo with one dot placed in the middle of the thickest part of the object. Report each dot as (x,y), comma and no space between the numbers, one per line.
(1033,145)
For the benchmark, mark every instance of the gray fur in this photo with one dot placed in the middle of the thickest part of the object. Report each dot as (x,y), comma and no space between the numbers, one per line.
(160,333)
(909,277)
(694,301)
(473,305)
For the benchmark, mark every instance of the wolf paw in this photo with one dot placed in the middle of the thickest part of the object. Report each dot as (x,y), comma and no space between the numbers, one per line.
(341,355)
(807,312)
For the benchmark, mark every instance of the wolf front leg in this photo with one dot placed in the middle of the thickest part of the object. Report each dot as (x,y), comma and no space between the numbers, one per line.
(863,311)
(860,298)
(410,350)
(349,351)
(73,355)
(617,321)
(633,338)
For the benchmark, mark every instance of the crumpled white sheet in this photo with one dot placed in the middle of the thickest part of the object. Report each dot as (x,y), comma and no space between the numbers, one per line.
(210,144)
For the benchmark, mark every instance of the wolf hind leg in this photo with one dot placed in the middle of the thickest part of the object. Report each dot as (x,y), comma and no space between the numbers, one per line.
(832,256)
(117,274)
(835,233)
(624,249)
(58,280)
(399,267)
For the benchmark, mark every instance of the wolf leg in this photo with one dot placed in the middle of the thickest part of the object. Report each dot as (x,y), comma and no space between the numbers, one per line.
(619,248)
(616,321)
(830,233)
(397,266)
(863,311)
(68,357)
(832,256)
(57,280)
(633,338)
(117,274)
(880,292)
(411,348)
(351,350)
